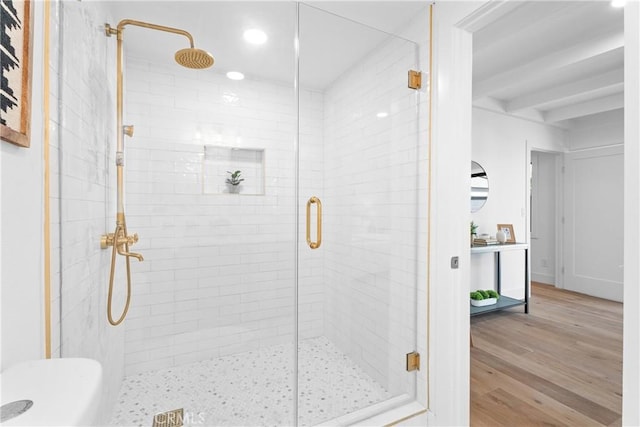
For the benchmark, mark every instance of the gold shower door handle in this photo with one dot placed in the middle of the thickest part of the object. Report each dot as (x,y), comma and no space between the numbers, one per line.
(316,244)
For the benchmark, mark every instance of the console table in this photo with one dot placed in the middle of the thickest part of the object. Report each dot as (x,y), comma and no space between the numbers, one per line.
(504,302)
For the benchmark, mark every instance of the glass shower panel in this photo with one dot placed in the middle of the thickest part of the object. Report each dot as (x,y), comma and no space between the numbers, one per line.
(358,156)
(212,313)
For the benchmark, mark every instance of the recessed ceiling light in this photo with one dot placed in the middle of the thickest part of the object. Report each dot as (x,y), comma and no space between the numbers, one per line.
(382,114)
(618,3)
(255,36)
(235,75)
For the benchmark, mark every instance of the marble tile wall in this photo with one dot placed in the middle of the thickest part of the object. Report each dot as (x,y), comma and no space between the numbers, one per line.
(82,146)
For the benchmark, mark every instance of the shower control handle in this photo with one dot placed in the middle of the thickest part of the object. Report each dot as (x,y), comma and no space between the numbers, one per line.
(128,130)
(107,240)
(132,238)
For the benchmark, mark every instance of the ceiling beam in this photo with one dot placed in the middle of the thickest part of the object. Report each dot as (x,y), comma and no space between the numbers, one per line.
(488,14)
(594,106)
(497,106)
(549,63)
(491,104)
(524,20)
(608,81)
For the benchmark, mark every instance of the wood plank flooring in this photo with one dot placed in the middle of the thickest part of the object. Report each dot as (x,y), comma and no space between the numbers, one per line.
(560,365)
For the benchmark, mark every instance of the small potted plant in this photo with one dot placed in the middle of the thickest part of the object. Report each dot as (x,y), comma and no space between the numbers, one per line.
(481,298)
(474,229)
(233,181)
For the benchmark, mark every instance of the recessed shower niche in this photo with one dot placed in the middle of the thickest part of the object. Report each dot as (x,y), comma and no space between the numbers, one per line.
(219,164)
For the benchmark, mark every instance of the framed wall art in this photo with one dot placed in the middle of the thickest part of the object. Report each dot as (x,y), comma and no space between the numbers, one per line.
(15,80)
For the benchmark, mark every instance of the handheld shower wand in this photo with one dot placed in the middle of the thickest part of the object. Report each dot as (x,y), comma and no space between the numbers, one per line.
(120,239)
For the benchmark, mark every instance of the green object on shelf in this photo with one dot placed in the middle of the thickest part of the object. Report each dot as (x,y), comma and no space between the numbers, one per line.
(476,296)
(481,294)
(234,178)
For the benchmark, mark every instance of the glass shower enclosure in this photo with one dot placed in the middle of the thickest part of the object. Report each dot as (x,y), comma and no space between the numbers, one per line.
(289,295)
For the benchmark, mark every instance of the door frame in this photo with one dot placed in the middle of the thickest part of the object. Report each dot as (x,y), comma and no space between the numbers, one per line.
(559,239)
(449,361)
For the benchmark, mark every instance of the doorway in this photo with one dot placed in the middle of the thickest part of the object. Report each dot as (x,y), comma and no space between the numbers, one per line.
(514,88)
(545,223)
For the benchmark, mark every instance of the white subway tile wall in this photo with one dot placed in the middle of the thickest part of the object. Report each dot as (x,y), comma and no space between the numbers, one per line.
(371,214)
(218,276)
(82,207)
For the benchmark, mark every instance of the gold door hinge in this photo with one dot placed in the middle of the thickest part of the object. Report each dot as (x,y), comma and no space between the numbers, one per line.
(415,79)
(413,361)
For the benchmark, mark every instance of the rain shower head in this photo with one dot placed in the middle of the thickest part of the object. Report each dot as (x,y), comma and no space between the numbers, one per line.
(192,57)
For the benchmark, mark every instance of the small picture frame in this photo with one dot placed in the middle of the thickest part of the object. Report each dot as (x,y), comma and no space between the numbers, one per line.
(507,229)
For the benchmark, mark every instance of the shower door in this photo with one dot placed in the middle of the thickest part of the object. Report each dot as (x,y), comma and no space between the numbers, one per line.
(358,222)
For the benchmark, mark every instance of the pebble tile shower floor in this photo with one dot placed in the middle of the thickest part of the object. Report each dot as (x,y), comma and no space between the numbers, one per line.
(251,389)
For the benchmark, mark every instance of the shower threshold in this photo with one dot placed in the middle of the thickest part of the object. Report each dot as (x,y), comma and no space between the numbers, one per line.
(253,388)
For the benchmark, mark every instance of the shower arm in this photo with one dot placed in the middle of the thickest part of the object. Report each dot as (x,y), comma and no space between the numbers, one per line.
(121,130)
(110,31)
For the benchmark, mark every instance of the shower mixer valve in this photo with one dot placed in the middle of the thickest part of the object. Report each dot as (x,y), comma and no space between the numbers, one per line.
(107,240)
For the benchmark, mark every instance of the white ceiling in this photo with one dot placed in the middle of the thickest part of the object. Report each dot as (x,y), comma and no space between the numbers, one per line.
(329,45)
(556,62)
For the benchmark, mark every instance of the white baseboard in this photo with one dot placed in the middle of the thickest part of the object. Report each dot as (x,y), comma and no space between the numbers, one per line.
(547,279)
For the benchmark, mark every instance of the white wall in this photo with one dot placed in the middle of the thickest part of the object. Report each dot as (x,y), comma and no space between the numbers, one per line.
(21,193)
(502,144)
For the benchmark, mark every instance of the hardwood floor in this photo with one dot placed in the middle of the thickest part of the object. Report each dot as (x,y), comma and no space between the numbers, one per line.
(561,364)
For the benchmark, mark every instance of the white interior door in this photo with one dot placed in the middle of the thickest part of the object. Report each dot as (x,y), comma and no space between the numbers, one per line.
(594,222)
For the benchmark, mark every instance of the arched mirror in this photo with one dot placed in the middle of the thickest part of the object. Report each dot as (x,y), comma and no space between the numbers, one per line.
(479,187)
